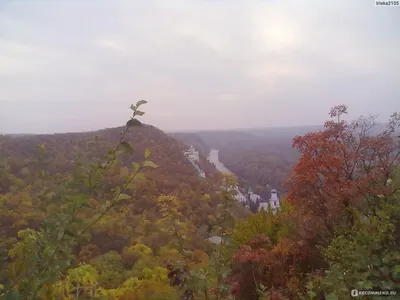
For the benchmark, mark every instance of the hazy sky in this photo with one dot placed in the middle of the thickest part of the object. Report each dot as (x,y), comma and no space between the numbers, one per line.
(77,65)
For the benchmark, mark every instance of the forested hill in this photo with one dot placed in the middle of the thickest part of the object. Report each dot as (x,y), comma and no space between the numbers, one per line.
(32,176)
(62,149)
(174,174)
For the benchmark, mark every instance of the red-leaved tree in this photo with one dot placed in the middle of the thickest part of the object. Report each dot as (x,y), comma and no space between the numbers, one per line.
(341,165)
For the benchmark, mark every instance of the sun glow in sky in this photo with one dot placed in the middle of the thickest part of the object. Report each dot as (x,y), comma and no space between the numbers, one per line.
(78,65)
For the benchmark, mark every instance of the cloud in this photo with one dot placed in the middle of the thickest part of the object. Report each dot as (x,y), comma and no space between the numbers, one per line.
(197,62)
(111,45)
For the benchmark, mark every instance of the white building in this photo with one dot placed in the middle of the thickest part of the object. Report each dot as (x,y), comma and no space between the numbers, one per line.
(253,197)
(192,154)
(239,196)
(273,202)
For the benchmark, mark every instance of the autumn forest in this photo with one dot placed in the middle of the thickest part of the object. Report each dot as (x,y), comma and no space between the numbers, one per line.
(120,213)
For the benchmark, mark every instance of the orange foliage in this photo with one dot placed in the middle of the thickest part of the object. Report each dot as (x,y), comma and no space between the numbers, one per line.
(339,166)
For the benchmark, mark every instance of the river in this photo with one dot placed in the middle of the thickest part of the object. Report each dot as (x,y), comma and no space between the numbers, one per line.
(213,157)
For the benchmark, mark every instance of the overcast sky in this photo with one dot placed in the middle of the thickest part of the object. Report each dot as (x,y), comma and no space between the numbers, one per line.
(77,65)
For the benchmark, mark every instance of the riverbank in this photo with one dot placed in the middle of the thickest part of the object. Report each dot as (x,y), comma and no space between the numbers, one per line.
(213,158)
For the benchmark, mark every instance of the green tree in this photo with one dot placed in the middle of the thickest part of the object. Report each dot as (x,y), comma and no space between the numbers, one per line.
(82,280)
(366,255)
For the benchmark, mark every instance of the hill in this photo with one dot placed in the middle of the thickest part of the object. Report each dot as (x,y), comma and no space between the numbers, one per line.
(62,150)
(220,138)
(29,173)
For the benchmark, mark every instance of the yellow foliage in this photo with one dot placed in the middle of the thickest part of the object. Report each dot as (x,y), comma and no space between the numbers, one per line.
(111,294)
(22,251)
(172,254)
(83,278)
(169,206)
(131,283)
(142,250)
(259,223)
(158,274)
(59,290)
(151,290)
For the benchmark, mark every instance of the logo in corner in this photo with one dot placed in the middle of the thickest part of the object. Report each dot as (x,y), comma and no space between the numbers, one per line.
(354,293)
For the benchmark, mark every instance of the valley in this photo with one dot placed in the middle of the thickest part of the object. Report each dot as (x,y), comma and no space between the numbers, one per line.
(261,159)
(133,212)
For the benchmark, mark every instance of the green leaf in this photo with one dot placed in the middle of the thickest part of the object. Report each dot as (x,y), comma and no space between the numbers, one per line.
(79,200)
(140,102)
(126,147)
(147,153)
(139,113)
(123,197)
(139,176)
(331,297)
(135,166)
(117,190)
(131,186)
(133,107)
(107,204)
(150,164)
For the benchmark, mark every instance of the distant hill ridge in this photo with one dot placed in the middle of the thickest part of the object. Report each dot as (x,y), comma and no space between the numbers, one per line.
(206,139)
(166,151)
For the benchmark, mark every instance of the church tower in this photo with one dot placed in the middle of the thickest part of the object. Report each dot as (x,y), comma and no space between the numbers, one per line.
(249,191)
(274,200)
